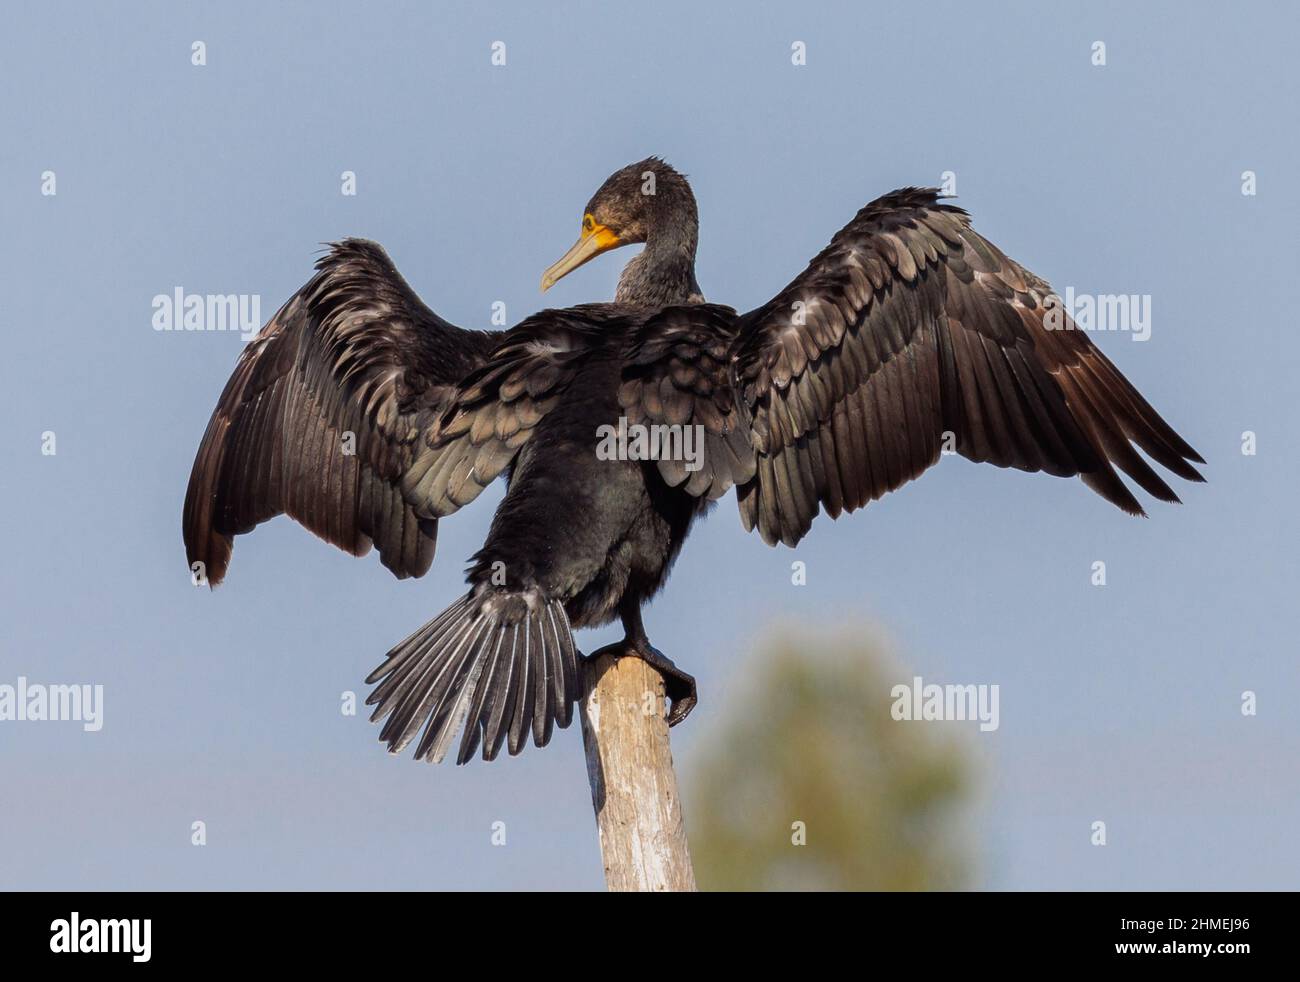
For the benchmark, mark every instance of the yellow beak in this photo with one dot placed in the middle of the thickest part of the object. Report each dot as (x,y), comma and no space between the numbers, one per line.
(590,244)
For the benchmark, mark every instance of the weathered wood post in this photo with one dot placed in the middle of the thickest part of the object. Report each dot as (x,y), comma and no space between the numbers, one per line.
(633,785)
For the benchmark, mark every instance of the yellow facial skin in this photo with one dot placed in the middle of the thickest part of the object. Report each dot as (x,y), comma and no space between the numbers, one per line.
(594,239)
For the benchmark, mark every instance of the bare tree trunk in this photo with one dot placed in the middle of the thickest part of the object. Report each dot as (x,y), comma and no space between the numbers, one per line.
(633,786)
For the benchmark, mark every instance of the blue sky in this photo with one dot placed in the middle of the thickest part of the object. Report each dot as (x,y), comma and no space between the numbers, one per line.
(1119,703)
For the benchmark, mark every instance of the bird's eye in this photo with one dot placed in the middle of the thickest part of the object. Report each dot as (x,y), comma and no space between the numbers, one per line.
(588,223)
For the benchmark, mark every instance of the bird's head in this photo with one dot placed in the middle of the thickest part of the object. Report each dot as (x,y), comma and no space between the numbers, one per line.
(634,202)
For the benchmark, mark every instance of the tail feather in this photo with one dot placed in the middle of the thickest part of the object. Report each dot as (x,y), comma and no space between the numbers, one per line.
(499,662)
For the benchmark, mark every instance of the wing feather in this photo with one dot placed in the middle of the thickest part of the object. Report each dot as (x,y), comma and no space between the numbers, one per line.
(909,325)
(322,415)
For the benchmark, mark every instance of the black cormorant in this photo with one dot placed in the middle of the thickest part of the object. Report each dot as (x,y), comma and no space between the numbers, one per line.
(367,417)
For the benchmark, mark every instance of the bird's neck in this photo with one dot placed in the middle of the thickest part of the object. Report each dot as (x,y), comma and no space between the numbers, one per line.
(664,273)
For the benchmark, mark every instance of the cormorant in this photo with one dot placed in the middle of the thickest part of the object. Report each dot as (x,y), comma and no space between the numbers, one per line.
(364,415)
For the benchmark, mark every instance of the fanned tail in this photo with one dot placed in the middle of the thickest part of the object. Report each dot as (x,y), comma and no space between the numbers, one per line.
(498,661)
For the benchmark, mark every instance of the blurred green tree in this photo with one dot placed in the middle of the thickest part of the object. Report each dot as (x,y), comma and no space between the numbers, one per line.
(882,803)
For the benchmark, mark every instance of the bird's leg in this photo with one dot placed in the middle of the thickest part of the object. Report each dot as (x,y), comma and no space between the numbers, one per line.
(678,686)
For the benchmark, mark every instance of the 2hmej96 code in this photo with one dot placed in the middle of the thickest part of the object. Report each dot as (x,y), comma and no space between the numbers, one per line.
(1228,924)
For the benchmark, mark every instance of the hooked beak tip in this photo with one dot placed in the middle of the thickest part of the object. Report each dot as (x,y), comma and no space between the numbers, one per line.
(589,245)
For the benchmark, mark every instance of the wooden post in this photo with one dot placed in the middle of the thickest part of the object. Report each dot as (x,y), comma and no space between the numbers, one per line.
(633,786)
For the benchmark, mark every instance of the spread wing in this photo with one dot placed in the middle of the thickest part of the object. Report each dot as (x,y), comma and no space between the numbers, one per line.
(325,414)
(910,325)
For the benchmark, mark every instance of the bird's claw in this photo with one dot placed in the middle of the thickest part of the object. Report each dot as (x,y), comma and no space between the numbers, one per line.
(678,686)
